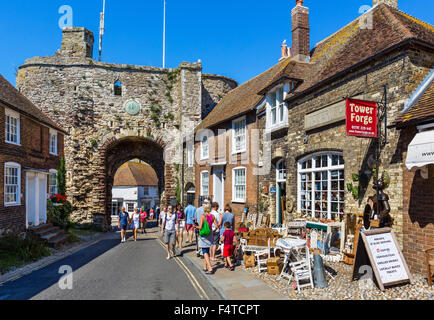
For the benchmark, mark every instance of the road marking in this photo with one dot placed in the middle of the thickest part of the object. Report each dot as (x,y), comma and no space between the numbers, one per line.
(195,283)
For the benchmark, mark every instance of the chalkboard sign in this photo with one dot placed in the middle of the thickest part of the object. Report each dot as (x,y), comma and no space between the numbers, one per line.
(380,250)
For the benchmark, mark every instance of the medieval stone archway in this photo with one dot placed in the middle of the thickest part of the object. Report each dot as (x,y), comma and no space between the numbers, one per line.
(116,152)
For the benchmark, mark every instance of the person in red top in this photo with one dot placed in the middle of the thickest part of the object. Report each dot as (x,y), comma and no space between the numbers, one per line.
(143,219)
(228,249)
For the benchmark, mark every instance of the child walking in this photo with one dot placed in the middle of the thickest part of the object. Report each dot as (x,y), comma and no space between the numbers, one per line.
(228,249)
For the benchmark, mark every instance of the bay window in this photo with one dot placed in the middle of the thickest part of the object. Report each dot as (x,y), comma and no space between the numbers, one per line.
(321,186)
(277,113)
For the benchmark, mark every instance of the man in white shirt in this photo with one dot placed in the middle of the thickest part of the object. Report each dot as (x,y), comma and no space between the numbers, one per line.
(168,231)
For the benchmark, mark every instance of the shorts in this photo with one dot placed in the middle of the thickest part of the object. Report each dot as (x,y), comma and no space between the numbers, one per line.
(216,239)
(205,250)
(124,227)
(228,251)
(189,227)
(181,225)
(169,236)
(136,225)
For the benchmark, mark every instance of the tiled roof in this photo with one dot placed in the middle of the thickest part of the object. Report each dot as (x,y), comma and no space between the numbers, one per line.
(12,98)
(133,174)
(342,50)
(352,45)
(421,111)
(242,98)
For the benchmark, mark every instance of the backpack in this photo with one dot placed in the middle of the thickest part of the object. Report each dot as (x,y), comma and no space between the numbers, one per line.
(206,230)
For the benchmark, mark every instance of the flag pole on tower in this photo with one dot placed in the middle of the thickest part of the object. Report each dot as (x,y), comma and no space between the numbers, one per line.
(101,29)
(164,36)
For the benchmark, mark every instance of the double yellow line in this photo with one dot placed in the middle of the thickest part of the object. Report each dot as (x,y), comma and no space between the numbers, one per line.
(200,291)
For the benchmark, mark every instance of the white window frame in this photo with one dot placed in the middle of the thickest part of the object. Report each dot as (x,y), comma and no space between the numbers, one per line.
(281,121)
(279,170)
(204,156)
(234,135)
(51,172)
(54,134)
(234,195)
(201,183)
(190,155)
(18,191)
(14,115)
(313,170)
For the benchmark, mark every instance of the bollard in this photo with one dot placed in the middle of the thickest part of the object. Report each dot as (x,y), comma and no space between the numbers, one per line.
(318,272)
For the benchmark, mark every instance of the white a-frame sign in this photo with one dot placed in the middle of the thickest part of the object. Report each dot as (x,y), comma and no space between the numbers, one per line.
(380,250)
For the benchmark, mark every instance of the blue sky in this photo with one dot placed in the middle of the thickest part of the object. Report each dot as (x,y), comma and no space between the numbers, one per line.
(235,38)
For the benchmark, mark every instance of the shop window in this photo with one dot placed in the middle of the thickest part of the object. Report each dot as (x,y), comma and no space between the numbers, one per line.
(12,127)
(239,184)
(130,207)
(239,135)
(204,183)
(321,185)
(12,184)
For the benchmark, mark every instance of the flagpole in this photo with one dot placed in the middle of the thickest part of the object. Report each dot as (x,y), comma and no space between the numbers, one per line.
(101,29)
(164,36)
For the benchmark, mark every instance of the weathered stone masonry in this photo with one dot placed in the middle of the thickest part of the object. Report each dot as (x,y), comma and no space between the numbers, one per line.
(78,92)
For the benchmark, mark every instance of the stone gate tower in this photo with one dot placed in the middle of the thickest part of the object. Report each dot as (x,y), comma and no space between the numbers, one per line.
(116,112)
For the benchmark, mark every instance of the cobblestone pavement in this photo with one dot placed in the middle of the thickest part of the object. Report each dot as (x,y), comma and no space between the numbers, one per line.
(342,288)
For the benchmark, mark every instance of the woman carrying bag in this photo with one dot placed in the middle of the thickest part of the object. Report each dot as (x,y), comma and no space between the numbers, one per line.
(206,237)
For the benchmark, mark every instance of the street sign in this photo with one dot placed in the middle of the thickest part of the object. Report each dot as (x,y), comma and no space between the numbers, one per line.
(361,118)
(273,190)
(380,250)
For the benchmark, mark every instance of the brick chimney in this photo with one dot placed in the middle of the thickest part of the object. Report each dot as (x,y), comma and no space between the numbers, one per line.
(300,31)
(286,51)
(392,3)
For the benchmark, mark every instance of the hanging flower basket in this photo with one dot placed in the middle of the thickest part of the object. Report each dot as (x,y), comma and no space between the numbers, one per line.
(58,199)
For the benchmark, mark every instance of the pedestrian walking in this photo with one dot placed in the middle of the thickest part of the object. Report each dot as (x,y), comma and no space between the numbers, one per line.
(199,213)
(151,214)
(169,231)
(226,217)
(123,223)
(206,237)
(190,213)
(143,219)
(135,220)
(215,230)
(228,238)
(157,214)
(180,226)
(162,215)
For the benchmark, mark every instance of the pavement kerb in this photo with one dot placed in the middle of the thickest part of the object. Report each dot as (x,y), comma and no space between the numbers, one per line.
(28,269)
(213,285)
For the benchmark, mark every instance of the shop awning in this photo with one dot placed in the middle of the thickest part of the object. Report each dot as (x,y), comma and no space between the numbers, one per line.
(421,150)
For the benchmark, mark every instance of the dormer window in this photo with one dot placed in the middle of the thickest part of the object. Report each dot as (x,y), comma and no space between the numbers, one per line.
(277,112)
(118,88)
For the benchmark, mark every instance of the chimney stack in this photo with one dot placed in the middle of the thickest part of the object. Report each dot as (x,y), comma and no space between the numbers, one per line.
(300,31)
(392,3)
(286,51)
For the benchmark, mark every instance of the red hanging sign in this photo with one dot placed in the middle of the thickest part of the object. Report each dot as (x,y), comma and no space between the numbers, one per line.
(361,118)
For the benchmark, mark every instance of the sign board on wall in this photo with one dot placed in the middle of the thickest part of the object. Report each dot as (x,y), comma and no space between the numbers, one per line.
(380,250)
(361,118)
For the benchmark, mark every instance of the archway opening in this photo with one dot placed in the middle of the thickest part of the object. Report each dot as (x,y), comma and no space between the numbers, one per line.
(135,185)
(143,151)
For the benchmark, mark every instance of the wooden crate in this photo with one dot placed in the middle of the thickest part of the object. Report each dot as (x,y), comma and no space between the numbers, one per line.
(275,270)
(249,261)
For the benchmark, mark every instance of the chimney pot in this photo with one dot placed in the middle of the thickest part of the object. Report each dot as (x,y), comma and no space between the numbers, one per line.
(299,2)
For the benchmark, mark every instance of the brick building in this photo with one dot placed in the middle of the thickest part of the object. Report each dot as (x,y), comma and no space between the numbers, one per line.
(30,147)
(417,146)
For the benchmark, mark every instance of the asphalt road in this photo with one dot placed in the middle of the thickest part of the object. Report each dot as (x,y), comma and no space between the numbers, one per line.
(110,270)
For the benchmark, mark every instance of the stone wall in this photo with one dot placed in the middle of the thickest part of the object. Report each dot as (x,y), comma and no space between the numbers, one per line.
(78,92)
(402,72)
